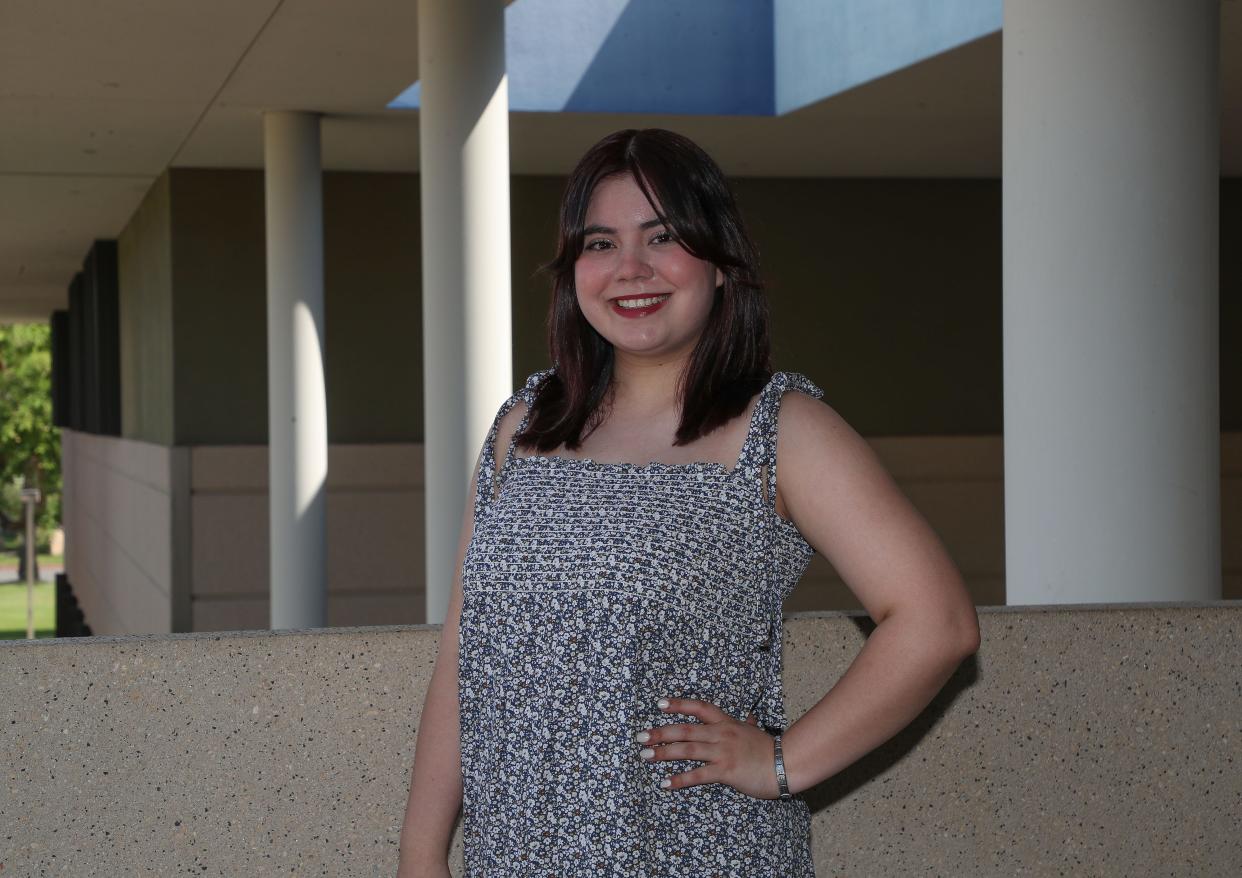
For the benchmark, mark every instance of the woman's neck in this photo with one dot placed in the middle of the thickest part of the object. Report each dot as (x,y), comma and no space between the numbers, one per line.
(645,386)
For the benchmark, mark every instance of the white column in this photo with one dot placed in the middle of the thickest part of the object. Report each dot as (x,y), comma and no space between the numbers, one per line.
(296,398)
(1111,357)
(467,338)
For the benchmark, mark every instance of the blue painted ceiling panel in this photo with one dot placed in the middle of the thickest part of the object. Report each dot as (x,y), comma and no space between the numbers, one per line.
(717,57)
(824,47)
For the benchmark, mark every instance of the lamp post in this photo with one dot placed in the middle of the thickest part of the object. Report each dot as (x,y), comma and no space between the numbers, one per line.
(30,496)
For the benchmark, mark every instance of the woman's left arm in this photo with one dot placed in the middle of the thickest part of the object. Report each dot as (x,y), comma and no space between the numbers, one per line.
(850,510)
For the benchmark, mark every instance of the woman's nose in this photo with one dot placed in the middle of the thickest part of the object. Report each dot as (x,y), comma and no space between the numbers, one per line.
(633,266)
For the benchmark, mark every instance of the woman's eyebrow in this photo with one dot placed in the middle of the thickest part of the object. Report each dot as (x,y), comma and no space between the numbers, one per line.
(608,230)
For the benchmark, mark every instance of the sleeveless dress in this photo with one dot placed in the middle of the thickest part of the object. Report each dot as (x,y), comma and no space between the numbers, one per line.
(591,590)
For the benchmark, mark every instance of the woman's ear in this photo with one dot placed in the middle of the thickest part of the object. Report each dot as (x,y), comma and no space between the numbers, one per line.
(719,278)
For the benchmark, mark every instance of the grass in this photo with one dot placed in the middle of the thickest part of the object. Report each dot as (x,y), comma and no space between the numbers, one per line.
(13,610)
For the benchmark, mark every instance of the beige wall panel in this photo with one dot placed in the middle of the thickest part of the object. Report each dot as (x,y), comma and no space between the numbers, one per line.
(968,516)
(118,522)
(956,483)
(139,604)
(229,540)
(230,614)
(941,457)
(117,502)
(375,531)
(376,466)
(244,467)
(252,614)
(376,534)
(822,589)
(230,468)
(375,541)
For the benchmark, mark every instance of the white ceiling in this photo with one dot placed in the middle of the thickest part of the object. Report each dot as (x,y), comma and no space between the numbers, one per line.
(97,99)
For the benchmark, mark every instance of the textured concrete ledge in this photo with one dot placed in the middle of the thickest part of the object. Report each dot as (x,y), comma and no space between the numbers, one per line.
(1084,739)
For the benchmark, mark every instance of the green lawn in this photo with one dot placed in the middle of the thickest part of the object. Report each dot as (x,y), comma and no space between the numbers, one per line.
(13,610)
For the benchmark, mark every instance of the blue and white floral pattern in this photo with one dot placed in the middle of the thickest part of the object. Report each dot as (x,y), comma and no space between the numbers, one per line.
(591,590)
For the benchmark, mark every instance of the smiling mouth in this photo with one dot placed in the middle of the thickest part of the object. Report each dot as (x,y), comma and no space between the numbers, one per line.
(637,302)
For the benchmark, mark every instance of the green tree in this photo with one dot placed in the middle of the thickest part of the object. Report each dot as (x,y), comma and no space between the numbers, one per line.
(29,444)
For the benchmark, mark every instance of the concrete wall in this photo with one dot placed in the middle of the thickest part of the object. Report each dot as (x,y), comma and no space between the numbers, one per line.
(885,292)
(194,320)
(957,483)
(145,277)
(120,497)
(903,345)
(376,542)
(219,303)
(1078,741)
(372,306)
(375,522)
(121,517)
(376,535)
(162,539)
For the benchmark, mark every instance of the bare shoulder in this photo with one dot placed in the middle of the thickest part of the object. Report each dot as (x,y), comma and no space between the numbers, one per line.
(805,420)
(812,440)
(818,452)
(850,509)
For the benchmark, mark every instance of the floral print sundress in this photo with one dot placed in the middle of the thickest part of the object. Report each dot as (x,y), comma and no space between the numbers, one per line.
(591,590)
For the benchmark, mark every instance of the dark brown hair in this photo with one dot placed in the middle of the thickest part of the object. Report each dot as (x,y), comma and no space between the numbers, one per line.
(731,361)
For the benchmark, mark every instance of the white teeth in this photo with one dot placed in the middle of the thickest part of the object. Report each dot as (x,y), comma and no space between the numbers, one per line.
(642,303)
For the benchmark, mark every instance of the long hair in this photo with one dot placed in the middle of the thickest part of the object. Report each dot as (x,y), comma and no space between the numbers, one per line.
(731,360)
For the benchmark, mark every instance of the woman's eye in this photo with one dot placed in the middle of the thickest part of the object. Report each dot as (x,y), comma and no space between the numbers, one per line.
(662,238)
(598,244)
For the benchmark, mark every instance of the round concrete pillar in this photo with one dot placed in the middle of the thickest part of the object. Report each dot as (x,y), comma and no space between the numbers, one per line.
(297,399)
(1111,358)
(467,335)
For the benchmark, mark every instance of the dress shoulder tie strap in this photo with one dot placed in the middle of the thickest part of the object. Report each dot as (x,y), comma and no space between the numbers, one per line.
(491,473)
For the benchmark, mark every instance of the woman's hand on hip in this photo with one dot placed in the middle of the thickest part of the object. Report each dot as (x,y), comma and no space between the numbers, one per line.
(737,753)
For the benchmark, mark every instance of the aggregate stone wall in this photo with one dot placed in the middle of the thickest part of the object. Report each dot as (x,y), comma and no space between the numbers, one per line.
(1079,740)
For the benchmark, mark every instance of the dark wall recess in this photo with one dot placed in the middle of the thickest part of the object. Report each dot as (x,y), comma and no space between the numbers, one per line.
(70,621)
(60,368)
(86,348)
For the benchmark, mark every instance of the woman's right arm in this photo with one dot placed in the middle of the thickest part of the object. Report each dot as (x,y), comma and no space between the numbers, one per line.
(435,783)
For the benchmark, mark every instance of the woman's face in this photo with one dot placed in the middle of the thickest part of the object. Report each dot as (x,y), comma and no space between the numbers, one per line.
(636,285)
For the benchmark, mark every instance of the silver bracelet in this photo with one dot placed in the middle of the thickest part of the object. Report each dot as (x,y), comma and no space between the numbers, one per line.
(780,770)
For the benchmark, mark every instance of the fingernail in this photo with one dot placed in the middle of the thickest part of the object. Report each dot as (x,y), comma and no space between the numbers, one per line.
(662,703)
(665,784)
(647,753)
(642,737)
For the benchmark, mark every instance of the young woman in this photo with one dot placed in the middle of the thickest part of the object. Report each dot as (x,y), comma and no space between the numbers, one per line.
(607,697)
